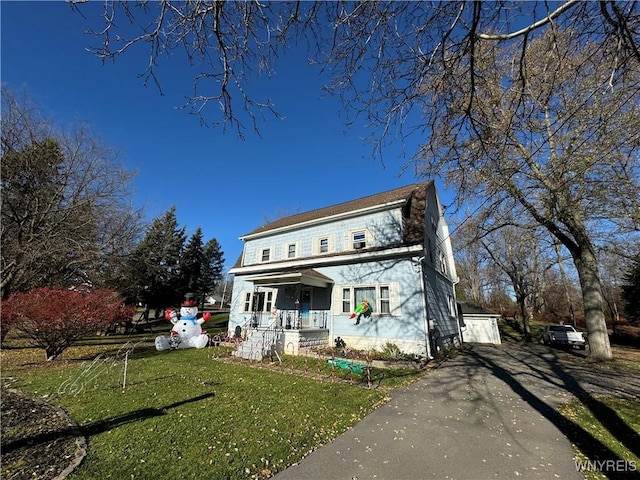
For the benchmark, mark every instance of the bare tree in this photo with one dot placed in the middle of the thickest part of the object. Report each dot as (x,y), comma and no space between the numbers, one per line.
(526,102)
(66,213)
(518,252)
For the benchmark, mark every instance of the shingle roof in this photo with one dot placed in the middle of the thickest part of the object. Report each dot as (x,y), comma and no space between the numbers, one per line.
(402,193)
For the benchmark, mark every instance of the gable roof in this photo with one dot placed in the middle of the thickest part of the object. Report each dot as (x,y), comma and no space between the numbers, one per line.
(402,193)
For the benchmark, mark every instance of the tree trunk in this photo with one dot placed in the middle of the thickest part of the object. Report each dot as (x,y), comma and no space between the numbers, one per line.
(52,352)
(524,312)
(598,337)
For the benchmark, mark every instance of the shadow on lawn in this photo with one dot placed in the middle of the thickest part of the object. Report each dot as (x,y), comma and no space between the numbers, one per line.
(99,426)
(559,376)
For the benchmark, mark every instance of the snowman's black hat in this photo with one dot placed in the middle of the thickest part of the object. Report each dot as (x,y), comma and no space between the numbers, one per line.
(189,300)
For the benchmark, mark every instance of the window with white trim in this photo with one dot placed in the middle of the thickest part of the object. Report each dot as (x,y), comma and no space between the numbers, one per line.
(359,239)
(323,245)
(269,302)
(383,298)
(265,255)
(346,299)
(443,263)
(247,302)
(259,301)
(291,250)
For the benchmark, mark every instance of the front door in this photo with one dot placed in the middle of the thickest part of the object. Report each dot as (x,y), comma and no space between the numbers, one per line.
(305,305)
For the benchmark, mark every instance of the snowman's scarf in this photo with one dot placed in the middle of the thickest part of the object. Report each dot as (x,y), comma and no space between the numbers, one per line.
(192,318)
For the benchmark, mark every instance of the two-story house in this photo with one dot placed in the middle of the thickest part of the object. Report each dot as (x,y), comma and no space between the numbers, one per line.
(300,278)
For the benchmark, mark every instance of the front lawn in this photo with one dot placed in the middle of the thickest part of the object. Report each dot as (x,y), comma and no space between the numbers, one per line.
(188,414)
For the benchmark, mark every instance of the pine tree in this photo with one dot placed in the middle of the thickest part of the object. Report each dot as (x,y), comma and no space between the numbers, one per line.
(154,265)
(212,267)
(191,263)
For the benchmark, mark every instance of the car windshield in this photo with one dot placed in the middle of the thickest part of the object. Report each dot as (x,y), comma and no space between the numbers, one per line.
(561,328)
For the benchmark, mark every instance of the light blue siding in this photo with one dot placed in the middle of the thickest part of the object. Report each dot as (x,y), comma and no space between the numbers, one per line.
(385,228)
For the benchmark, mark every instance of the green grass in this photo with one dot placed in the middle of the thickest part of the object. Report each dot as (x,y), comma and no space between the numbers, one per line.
(194,414)
(186,414)
(621,416)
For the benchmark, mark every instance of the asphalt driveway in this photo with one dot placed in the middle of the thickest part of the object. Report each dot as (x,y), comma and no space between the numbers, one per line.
(489,413)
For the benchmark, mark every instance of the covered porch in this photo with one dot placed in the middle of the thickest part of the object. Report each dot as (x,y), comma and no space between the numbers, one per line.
(298,318)
(303,300)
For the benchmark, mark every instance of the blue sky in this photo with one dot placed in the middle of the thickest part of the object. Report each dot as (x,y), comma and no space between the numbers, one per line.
(216,181)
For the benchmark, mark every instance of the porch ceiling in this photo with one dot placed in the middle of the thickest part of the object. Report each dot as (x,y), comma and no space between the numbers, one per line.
(307,277)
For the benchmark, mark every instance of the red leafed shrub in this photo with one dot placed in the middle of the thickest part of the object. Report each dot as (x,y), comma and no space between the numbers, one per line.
(55,318)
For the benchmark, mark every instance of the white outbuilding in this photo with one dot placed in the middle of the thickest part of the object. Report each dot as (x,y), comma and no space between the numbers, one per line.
(478,325)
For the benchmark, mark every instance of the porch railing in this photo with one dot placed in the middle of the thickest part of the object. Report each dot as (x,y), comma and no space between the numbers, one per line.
(289,319)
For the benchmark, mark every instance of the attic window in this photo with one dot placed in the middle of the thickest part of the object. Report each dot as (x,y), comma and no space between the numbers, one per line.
(359,240)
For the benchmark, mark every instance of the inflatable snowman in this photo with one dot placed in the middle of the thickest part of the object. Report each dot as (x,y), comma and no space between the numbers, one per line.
(187,328)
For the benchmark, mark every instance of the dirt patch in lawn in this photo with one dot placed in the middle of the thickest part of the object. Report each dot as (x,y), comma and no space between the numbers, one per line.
(39,440)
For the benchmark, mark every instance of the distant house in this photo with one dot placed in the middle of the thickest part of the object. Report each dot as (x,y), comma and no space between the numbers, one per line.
(214,301)
(300,278)
(479,326)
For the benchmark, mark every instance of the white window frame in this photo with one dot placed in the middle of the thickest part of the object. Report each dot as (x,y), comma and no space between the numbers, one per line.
(384,300)
(364,241)
(392,300)
(443,262)
(261,251)
(317,241)
(249,298)
(296,249)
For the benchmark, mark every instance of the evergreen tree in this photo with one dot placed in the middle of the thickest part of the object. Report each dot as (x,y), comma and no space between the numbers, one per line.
(631,291)
(211,268)
(154,266)
(191,263)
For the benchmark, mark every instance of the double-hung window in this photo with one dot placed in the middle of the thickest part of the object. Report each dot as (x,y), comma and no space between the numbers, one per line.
(385,299)
(265,255)
(247,302)
(324,245)
(346,299)
(381,297)
(359,239)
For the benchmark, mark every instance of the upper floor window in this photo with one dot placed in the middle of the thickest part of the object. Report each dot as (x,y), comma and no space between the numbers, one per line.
(291,250)
(266,255)
(443,263)
(359,239)
(324,245)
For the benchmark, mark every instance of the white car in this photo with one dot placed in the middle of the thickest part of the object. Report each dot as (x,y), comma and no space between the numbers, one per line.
(563,335)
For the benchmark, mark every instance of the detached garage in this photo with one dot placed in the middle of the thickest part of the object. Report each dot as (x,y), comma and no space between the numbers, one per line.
(478,326)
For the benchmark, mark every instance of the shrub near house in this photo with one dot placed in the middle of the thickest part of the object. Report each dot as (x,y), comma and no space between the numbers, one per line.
(55,318)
